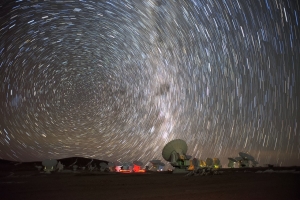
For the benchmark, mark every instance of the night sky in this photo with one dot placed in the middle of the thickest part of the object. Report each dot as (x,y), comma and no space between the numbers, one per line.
(117,80)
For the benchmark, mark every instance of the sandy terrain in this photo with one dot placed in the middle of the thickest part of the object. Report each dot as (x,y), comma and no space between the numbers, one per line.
(230,185)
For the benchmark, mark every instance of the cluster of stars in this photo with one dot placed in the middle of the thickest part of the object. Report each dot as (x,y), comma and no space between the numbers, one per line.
(117,80)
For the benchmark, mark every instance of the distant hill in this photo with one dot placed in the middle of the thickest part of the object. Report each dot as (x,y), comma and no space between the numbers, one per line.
(80,161)
(5,162)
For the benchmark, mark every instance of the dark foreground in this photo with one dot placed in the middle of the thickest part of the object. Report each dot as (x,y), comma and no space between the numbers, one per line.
(233,185)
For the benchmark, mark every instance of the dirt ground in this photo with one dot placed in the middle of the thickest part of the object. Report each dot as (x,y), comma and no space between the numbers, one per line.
(234,185)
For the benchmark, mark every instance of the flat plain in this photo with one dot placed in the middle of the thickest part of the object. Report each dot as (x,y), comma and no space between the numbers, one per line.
(232,184)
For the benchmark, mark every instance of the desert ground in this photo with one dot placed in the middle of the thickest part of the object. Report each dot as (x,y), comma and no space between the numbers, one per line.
(232,184)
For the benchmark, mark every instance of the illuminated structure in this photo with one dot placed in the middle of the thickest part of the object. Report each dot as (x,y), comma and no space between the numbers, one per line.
(118,166)
(157,165)
(137,167)
(243,160)
(49,165)
(126,168)
(232,162)
(175,153)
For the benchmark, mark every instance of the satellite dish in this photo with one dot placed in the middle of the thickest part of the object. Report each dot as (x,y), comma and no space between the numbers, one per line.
(232,159)
(175,146)
(75,167)
(202,163)
(49,165)
(138,163)
(216,161)
(246,156)
(196,163)
(157,165)
(209,162)
(137,166)
(103,164)
(125,166)
(39,167)
(60,166)
(118,166)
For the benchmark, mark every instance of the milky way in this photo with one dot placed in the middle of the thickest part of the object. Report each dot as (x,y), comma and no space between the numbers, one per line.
(117,80)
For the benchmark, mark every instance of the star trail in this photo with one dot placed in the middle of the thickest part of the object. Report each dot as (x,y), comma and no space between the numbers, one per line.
(117,80)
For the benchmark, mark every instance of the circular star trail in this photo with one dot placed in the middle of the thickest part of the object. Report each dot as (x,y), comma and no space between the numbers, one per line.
(117,80)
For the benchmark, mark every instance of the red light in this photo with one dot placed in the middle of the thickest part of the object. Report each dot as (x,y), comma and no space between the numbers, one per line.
(136,168)
(125,171)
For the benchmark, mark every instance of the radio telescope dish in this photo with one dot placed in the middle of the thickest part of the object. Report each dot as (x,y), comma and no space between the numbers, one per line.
(157,165)
(232,159)
(103,166)
(138,163)
(202,163)
(216,161)
(246,156)
(209,162)
(196,163)
(175,146)
(118,166)
(137,166)
(49,165)
(126,166)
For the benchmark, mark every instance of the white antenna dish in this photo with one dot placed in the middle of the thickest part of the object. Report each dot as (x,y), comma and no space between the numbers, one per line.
(246,156)
(202,163)
(216,161)
(75,167)
(111,166)
(91,168)
(49,165)
(60,166)
(39,167)
(209,162)
(118,166)
(232,159)
(103,164)
(138,163)
(196,163)
(173,148)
